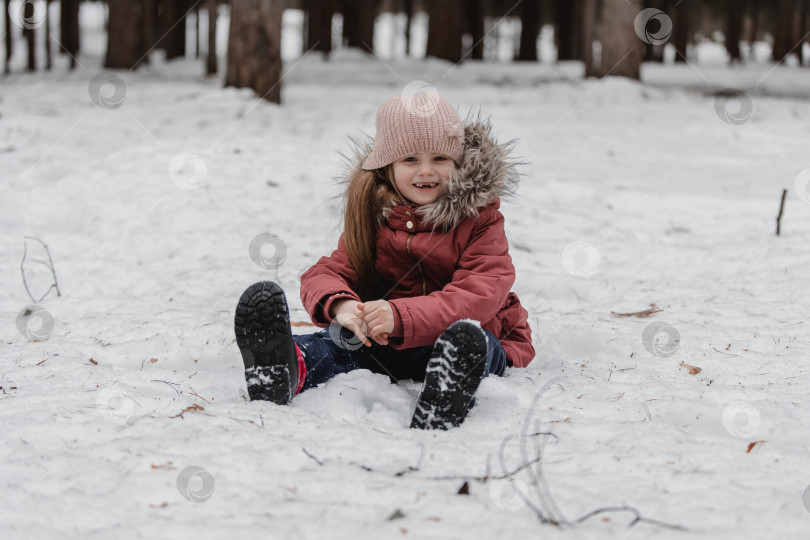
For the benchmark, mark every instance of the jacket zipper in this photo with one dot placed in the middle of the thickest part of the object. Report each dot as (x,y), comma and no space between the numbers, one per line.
(418,264)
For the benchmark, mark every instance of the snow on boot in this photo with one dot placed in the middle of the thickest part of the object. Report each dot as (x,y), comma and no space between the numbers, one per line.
(264,337)
(454,372)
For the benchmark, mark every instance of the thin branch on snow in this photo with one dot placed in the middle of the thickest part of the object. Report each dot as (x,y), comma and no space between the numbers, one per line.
(49,264)
(781,209)
(171,384)
(318,461)
(410,469)
(547,510)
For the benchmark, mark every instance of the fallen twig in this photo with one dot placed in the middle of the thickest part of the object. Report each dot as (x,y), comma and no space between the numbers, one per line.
(193,393)
(49,264)
(781,209)
(639,314)
(171,384)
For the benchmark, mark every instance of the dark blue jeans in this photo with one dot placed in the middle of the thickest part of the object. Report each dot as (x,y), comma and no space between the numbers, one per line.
(325,358)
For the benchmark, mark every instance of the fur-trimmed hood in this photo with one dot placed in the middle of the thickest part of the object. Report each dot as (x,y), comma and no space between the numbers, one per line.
(485,173)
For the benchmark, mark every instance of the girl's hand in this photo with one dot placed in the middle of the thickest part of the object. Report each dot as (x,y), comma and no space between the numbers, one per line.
(347,315)
(378,316)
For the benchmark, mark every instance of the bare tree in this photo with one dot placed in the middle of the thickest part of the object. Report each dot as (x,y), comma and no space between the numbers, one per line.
(149,26)
(9,41)
(654,52)
(319,26)
(621,50)
(48,57)
(782,30)
(734,25)
(254,47)
(124,43)
(69,29)
(211,57)
(529,28)
(30,37)
(803,23)
(588,37)
(358,23)
(475,25)
(408,8)
(568,30)
(683,22)
(445,29)
(173,27)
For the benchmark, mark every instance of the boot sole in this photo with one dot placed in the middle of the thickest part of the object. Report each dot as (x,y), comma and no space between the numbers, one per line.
(264,338)
(453,374)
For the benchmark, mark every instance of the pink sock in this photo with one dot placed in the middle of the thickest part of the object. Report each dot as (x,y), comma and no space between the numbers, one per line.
(302,370)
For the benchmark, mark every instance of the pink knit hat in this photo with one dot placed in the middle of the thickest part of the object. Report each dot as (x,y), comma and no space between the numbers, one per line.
(426,122)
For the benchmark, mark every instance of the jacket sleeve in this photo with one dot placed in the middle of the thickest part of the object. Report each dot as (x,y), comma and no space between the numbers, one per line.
(327,280)
(480,284)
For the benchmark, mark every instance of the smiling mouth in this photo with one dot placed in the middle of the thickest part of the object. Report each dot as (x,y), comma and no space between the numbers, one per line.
(426,185)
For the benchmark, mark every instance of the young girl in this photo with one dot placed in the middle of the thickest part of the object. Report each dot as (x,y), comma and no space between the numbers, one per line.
(419,285)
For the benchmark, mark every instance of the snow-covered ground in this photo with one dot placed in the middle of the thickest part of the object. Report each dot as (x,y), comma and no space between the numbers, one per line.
(130,419)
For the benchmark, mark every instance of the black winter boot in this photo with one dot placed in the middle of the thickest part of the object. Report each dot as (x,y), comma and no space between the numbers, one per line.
(454,372)
(264,337)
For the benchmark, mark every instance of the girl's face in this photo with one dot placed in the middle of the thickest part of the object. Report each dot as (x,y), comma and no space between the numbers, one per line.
(422,177)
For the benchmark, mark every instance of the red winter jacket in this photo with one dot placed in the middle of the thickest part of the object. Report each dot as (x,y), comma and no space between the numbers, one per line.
(442,262)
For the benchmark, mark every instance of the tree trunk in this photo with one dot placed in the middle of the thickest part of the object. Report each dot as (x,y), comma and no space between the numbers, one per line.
(254,47)
(408,18)
(211,57)
(621,49)
(682,28)
(48,58)
(196,30)
(782,26)
(69,29)
(752,37)
(30,36)
(734,22)
(358,23)
(124,45)
(588,37)
(149,27)
(319,26)
(653,52)
(445,30)
(475,21)
(529,28)
(8,41)
(173,27)
(804,28)
(567,30)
